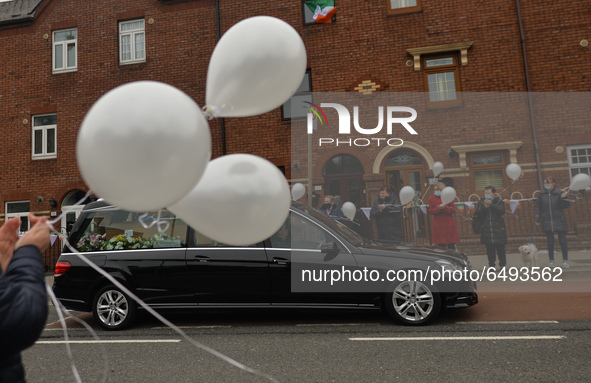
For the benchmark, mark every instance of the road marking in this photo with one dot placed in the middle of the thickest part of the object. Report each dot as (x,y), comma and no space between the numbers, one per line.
(108,341)
(525,337)
(212,326)
(511,322)
(331,324)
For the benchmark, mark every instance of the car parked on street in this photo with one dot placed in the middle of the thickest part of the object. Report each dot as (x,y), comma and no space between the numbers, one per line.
(168,265)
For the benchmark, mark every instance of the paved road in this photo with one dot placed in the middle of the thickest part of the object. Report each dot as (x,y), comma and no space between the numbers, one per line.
(305,347)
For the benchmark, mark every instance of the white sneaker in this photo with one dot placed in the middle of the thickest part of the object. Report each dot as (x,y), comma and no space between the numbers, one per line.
(551,264)
(565,265)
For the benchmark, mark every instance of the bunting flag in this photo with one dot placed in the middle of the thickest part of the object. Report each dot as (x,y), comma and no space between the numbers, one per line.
(514,204)
(424,209)
(323,10)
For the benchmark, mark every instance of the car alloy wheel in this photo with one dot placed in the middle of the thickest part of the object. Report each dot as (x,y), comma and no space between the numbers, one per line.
(112,309)
(413,303)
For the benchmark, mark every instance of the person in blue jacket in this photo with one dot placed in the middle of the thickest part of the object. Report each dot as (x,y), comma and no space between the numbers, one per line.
(23,300)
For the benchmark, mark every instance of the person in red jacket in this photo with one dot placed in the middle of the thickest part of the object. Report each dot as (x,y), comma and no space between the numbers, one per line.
(444,231)
(23,300)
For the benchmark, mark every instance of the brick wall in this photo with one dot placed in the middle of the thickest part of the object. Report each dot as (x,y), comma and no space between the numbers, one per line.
(363,43)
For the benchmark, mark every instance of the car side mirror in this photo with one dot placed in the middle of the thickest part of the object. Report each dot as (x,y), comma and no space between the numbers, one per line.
(331,249)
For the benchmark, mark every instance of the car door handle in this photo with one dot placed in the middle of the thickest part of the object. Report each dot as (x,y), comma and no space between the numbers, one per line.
(281,261)
(201,258)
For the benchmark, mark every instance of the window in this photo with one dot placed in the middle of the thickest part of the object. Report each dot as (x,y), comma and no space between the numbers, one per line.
(299,233)
(132,44)
(19,209)
(105,230)
(44,136)
(579,159)
(296,107)
(488,169)
(442,78)
(65,51)
(397,7)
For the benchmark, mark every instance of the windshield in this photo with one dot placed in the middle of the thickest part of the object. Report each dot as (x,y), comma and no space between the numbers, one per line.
(350,235)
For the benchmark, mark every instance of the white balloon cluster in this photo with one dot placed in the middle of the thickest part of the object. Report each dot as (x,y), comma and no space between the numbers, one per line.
(147,145)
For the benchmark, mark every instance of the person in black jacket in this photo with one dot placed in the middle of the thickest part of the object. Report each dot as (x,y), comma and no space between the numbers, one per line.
(386,211)
(23,300)
(550,207)
(493,235)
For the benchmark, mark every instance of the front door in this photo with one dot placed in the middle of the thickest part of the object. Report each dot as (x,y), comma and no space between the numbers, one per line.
(414,221)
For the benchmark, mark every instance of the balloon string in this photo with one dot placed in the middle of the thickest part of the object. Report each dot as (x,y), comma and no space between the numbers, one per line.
(165,321)
(60,309)
(508,186)
(66,210)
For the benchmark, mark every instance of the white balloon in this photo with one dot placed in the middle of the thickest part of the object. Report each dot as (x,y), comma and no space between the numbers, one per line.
(257,65)
(407,194)
(241,199)
(437,168)
(580,181)
(349,210)
(297,191)
(513,171)
(143,145)
(448,194)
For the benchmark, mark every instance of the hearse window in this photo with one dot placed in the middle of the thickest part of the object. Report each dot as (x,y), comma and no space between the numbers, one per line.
(105,230)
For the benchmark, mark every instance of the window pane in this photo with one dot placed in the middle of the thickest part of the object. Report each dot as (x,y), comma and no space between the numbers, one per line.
(50,119)
(126,48)
(65,35)
(59,56)
(484,179)
(121,230)
(483,160)
(305,85)
(71,55)
(442,86)
(140,52)
(403,158)
(439,62)
(18,207)
(402,3)
(296,107)
(38,141)
(50,141)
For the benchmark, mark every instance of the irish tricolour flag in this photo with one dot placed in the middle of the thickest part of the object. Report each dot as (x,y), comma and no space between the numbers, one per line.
(323,10)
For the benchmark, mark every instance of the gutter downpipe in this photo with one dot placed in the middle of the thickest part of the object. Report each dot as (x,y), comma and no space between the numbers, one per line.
(222,120)
(529,100)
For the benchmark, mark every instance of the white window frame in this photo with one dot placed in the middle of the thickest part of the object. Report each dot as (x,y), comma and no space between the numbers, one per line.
(23,214)
(45,132)
(576,168)
(134,35)
(64,55)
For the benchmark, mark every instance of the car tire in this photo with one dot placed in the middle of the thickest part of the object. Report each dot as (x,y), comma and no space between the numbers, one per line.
(113,309)
(413,303)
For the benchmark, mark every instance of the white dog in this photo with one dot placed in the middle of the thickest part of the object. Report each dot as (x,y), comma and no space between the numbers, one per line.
(529,255)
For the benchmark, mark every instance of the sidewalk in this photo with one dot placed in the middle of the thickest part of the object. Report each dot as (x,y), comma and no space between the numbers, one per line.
(578,260)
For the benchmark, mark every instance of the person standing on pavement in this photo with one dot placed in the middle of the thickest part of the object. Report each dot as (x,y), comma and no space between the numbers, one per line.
(444,232)
(550,207)
(493,234)
(23,300)
(386,212)
(331,209)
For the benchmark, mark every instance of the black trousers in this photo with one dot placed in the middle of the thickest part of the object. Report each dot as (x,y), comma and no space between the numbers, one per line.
(495,250)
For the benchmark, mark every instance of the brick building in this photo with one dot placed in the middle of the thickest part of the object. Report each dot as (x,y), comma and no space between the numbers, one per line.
(59,56)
